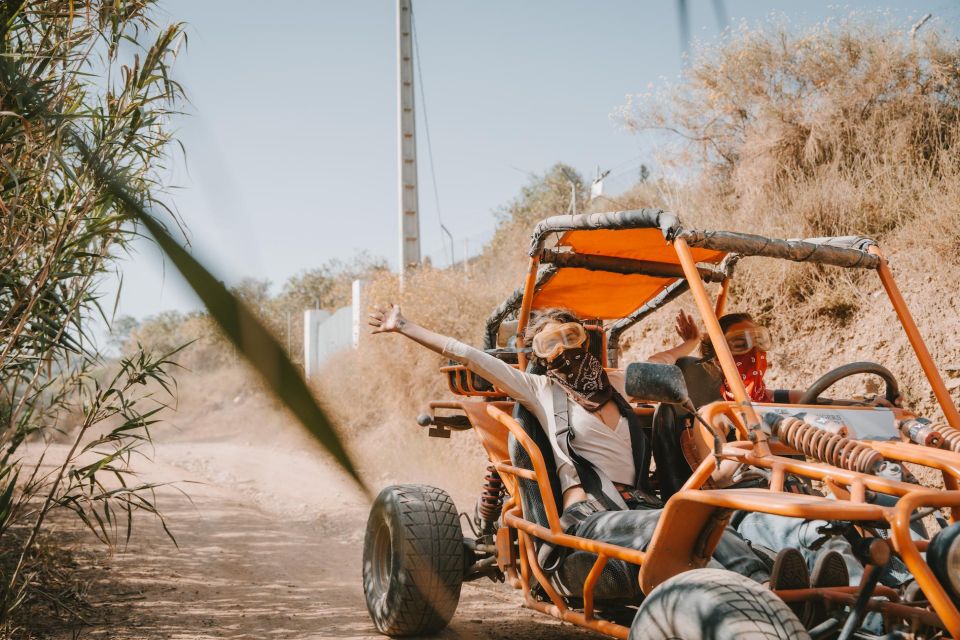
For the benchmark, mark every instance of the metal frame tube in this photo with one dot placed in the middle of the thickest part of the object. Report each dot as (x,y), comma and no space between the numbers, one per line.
(916,341)
(719,342)
(529,286)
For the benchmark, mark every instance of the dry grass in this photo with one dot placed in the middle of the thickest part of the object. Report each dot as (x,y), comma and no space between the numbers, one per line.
(847,129)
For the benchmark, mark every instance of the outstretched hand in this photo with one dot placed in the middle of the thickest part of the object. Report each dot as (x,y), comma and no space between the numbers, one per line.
(384,320)
(686,327)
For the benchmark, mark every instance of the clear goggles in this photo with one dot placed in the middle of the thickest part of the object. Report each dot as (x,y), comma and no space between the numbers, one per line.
(745,340)
(549,343)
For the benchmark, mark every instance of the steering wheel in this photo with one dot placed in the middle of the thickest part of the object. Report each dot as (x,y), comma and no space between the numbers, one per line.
(835,375)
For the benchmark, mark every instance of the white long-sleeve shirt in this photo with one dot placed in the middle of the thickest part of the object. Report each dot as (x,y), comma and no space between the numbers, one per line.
(607,449)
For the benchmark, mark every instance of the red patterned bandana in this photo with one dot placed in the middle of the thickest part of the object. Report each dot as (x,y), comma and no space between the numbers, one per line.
(752,367)
(582,376)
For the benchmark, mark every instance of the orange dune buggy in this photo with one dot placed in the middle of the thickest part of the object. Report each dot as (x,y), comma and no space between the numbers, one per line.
(615,269)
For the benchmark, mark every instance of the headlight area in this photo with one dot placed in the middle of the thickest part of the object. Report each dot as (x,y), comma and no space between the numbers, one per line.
(943,556)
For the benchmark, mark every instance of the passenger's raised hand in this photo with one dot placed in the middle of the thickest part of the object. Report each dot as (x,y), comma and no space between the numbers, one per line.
(385,319)
(687,327)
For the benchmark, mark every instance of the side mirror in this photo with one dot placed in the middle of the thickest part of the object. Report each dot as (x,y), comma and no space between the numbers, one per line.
(657,383)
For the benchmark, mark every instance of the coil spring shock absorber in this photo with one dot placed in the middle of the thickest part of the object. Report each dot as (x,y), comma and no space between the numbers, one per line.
(490,503)
(825,446)
(951,438)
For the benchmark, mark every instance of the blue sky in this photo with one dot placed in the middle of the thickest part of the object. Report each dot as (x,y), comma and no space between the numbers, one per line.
(291,129)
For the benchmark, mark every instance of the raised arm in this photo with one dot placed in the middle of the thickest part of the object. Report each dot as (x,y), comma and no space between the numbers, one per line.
(517,384)
(690,334)
(391,320)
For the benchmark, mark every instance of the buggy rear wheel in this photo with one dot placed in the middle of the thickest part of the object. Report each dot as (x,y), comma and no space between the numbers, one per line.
(714,604)
(413,561)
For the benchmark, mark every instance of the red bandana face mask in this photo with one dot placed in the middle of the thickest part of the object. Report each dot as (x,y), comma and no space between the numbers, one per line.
(752,366)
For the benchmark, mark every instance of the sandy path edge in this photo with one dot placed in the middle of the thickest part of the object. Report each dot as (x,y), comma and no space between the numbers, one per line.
(254,563)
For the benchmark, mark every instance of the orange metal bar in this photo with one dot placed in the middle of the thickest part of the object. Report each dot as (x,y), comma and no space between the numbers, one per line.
(527,303)
(527,474)
(538,572)
(701,474)
(847,596)
(575,617)
(446,404)
(916,341)
(512,519)
(590,583)
(720,343)
(558,609)
(941,459)
(793,505)
(907,549)
(539,466)
(722,296)
(524,565)
(777,478)
(819,471)
(799,595)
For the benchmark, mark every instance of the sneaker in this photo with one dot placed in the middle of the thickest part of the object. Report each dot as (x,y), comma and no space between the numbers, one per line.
(790,572)
(828,571)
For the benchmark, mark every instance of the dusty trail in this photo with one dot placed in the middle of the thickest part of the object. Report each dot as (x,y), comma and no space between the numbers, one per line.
(270,541)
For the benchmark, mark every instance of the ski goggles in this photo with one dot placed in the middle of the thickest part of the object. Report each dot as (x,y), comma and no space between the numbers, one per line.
(549,343)
(745,340)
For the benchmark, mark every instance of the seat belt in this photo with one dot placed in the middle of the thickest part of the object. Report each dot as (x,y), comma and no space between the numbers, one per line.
(640,445)
(594,482)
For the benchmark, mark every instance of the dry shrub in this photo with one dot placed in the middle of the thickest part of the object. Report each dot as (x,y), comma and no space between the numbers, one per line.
(203,347)
(847,129)
(840,130)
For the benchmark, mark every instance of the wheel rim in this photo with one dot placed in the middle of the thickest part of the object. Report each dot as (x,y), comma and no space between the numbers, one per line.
(382,558)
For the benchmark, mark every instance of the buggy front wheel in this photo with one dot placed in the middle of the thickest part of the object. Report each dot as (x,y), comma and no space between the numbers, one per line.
(413,561)
(714,604)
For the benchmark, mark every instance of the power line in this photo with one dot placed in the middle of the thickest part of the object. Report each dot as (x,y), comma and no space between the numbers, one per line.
(426,126)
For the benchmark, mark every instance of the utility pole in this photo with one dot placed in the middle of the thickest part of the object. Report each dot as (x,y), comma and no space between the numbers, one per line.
(409,206)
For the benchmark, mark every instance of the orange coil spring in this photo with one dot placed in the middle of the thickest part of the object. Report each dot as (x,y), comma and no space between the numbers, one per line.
(951,438)
(491,499)
(826,447)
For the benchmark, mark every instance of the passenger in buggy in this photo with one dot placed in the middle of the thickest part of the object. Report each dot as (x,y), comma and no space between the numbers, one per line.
(602,453)
(749,343)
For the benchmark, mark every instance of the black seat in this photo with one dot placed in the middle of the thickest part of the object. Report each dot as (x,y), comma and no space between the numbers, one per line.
(567,568)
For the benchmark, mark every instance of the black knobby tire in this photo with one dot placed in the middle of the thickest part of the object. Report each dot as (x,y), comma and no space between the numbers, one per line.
(413,561)
(714,604)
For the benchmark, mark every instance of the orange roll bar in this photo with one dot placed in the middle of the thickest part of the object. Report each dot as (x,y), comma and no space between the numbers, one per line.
(719,342)
(722,296)
(916,341)
(529,286)
(907,549)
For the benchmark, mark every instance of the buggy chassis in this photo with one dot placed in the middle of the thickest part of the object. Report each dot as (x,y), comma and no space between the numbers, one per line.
(622,266)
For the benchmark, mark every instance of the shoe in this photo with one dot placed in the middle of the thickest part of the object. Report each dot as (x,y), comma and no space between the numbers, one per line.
(766,554)
(828,571)
(790,572)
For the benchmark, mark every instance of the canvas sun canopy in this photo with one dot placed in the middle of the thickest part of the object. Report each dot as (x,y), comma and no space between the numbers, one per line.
(610,265)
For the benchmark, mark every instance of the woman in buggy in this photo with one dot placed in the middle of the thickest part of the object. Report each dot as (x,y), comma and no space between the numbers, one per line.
(594,432)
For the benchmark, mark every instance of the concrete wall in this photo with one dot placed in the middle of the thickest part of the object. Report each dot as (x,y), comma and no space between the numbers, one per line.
(326,333)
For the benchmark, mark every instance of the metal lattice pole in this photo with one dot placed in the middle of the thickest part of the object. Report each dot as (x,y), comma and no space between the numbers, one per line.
(409,206)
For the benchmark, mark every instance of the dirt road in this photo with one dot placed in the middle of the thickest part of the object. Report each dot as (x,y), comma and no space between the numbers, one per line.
(270,540)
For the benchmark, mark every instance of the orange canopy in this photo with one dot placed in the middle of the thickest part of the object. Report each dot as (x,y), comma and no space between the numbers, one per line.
(604,294)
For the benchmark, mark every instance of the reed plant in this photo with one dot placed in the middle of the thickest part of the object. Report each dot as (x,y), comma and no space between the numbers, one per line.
(86,100)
